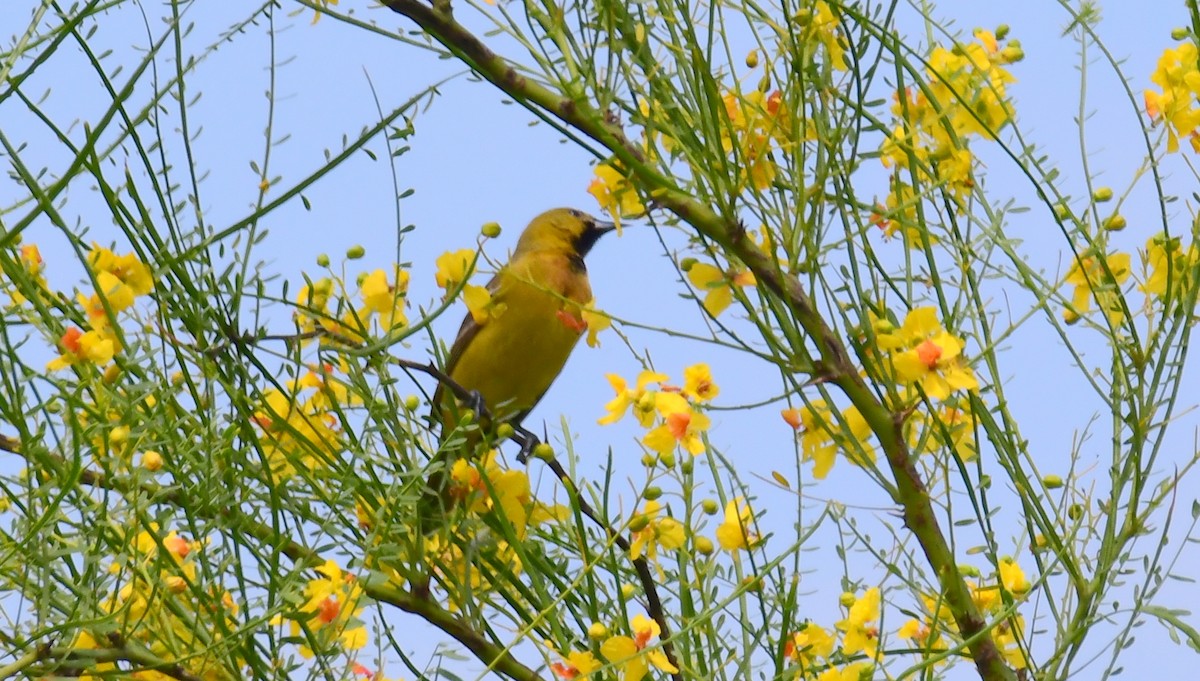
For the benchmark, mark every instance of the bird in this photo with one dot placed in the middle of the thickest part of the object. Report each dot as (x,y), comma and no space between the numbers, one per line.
(510,359)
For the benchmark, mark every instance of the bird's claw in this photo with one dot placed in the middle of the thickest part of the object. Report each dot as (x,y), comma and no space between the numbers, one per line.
(528,441)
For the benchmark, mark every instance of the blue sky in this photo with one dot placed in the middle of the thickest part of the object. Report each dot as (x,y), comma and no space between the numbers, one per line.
(474,159)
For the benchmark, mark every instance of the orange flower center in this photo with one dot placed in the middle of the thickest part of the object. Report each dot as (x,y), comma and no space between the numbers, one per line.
(177,546)
(929,353)
(70,340)
(564,671)
(678,424)
(329,610)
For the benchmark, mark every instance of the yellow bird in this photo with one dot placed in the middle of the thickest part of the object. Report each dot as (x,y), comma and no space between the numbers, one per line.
(511,358)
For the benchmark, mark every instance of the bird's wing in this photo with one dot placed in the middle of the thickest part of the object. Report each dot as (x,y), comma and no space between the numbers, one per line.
(466,333)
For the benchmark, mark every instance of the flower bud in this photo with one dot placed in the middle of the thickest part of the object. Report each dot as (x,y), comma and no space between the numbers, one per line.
(355,252)
(709,506)
(544,452)
(1102,194)
(639,522)
(703,545)
(1012,54)
(323,260)
(1052,481)
(152,460)
(752,59)
(490,230)
(651,493)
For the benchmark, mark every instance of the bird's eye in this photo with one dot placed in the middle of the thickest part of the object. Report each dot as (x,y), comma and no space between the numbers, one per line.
(575,213)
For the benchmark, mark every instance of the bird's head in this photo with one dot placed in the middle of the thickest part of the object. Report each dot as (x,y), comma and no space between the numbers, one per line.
(564,230)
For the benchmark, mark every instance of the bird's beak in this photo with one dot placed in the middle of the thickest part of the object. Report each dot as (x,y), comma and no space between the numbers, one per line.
(603,227)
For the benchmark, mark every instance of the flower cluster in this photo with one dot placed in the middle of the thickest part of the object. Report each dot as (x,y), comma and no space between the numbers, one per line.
(299,425)
(965,98)
(937,632)
(333,602)
(673,415)
(631,654)
(119,280)
(1177,106)
(815,650)
(324,305)
(164,605)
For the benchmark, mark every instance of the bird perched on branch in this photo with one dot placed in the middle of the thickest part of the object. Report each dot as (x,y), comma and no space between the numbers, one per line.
(510,358)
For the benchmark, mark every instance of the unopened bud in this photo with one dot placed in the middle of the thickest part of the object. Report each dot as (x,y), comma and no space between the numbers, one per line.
(152,461)
(1115,222)
(544,452)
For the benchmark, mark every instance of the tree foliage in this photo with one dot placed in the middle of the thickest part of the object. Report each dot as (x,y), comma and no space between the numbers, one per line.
(208,472)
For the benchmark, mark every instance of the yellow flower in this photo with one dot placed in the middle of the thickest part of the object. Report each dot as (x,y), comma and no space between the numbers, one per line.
(924,354)
(1101,280)
(615,193)
(479,303)
(79,346)
(639,398)
(127,269)
(333,603)
(698,383)
(718,285)
(859,630)
(824,29)
(576,665)
(855,671)
(809,645)
(596,321)
(737,531)
(1178,75)
(681,425)
(823,434)
(312,306)
(35,268)
(630,654)
(321,5)
(1013,577)
(665,532)
(385,299)
(1171,270)
(453,267)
